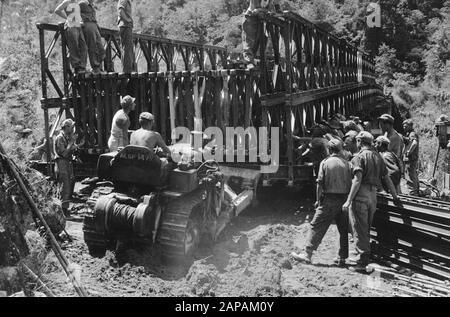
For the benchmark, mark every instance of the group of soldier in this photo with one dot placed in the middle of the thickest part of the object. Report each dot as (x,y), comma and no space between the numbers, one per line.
(65,144)
(83,34)
(351,167)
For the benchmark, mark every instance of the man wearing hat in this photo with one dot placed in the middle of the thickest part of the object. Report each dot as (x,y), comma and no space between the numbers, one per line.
(359,123)
(350,146)
(146,137)
(390,159)
(369,171)
(64,149)
(120,124)
(333,185)
(317,148)
(411,157)
(386,123)
(335,123)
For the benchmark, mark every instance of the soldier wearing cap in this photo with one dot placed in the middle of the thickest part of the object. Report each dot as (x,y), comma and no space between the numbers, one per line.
(350,146)
(368,171)
(411,157)
(386,123)
(390,159)
(64,149)
(333,185)
(317,148)
(120,125)
(336,124)
(146,137)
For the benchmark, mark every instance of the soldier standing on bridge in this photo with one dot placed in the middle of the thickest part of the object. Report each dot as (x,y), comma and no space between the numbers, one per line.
(411,157)
(120,124)
(92,35)
(70,10)
(64,149)
(125,23)
(250,27)
(333,185)
(369,171)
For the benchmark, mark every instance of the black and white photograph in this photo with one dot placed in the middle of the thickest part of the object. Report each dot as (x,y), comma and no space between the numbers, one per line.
(225,155)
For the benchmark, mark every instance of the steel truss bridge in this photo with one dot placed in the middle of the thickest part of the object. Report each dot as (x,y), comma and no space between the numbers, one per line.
(306,75)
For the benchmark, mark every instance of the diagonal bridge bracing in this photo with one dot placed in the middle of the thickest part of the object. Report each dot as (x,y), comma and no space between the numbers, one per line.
(306,75)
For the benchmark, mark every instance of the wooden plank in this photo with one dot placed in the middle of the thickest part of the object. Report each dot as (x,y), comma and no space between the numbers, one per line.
(84,110)
(115,93)
(99,110)
(135,92)
(91,111)
(233,82)
(162,84)
(226,113)
(248,99)
(180,106)
(154,101)
(108,105)
(189,99)
(172,111)
(217,92)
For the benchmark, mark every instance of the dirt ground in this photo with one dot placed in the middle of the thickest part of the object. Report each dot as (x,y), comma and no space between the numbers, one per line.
(251,258)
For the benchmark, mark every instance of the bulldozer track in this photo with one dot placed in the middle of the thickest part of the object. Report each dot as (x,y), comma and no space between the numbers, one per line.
(97,242)
(175,222)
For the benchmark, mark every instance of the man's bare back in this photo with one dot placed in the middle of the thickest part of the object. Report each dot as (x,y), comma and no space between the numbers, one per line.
(148,139)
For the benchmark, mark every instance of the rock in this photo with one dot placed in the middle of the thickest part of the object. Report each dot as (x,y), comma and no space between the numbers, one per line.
(256,241)
(237,245)
(3,294)
(54,216)
(203,279)
(10,280)
(286,264)
(270,283)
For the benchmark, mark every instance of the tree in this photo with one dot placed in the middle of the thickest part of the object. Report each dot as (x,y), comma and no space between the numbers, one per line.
(385,64)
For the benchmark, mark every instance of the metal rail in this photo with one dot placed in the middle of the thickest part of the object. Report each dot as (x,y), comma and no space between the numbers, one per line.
(415,235)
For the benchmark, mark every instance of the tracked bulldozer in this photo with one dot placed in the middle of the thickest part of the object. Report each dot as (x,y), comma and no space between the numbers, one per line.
(140,199)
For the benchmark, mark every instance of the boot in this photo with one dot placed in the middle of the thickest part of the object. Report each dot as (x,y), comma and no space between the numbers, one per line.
(302,257)
(359,268)
(339,262)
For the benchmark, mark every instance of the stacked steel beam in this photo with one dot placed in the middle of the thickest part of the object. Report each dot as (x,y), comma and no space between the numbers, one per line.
(415,234)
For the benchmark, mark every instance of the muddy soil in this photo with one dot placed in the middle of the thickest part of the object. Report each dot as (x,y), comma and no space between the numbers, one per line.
(251,258)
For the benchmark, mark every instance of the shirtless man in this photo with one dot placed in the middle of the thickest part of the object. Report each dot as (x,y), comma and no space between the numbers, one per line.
(146,137)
